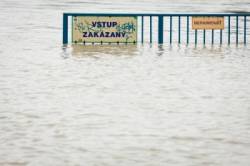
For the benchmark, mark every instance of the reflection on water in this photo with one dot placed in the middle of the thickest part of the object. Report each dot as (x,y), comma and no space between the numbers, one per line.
(102,50)
(112,105)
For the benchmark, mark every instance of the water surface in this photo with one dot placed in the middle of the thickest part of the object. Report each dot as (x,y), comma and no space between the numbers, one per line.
(119,105)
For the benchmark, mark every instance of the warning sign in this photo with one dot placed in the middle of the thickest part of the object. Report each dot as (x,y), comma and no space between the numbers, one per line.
(207,22)
(104,29)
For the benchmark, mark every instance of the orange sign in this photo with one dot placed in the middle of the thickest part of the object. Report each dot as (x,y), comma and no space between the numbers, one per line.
(207,22)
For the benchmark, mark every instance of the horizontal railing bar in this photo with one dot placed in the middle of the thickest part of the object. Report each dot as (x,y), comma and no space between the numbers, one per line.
(155,14)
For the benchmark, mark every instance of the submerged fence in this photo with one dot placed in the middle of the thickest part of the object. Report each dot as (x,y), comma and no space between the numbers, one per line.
(177,28)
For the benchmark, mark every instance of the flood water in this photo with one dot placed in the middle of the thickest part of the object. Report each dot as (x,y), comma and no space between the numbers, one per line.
(138,105)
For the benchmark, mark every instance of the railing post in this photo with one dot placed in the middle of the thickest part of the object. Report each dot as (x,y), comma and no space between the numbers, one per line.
(204,36)
(170,30)
(187,29)
(237,29)
(65,28)
(150,29)
(212,36)
(179,30)
(245,29)
(160,29)
(221,36)
(229,29)
(142,29)
(195,36)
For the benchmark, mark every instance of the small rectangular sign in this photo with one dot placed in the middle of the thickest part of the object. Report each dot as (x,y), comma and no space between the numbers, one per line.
(207,22)
(106,29)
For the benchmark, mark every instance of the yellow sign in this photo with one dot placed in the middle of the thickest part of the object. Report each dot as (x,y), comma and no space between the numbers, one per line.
(207,22)
(98,29)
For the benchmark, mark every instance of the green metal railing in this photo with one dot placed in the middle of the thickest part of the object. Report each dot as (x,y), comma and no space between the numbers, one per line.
(163,35)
